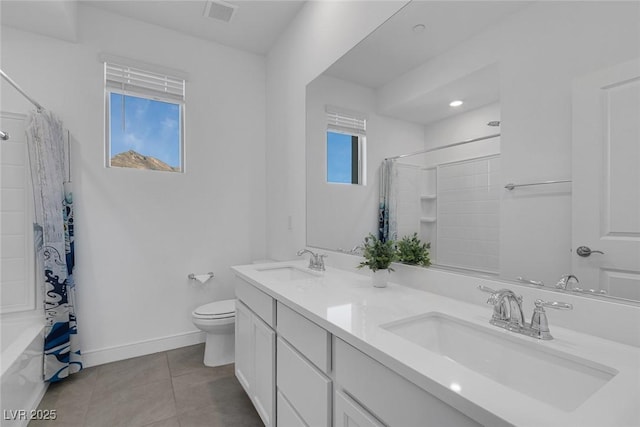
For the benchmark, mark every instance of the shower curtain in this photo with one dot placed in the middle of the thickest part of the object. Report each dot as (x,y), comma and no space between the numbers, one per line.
(54,243)
(387,211)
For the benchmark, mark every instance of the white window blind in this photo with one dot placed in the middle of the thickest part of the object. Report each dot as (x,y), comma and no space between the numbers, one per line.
(346,121)
(132,79)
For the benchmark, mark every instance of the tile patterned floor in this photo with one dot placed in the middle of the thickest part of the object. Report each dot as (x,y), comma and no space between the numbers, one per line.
(169,389)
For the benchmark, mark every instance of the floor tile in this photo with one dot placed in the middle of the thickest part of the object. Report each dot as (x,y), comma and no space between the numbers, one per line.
(168,389)
(143,370)
(186,360)
(70,398)
(196,390)
(52,423)
(169,422)
(135,406)
(129,365)
(228,416)
(78,385)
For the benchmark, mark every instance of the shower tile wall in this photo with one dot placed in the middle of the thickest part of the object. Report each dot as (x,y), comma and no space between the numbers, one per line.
(16,281)
(469,214)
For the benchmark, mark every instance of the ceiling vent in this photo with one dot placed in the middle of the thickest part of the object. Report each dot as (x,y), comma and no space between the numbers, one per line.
(219,10)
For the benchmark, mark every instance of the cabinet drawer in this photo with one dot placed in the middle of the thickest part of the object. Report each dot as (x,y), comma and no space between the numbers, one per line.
(259,302)
(375,386)
(287,416)
(304,386)
(308,338)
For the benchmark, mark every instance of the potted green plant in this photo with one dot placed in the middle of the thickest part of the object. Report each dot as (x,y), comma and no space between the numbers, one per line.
(413,251)
(378,257)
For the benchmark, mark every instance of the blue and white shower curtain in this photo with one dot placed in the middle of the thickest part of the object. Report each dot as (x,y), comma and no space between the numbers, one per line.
(387,211)
(54,244)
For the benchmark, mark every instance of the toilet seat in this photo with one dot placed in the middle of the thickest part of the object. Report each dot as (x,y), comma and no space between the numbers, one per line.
(225,309)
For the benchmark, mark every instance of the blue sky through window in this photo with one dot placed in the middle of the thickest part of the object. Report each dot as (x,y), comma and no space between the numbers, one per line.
(152,128)
(338,157)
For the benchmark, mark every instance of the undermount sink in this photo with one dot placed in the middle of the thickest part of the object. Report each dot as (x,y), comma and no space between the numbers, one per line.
(532,368)
(286,273)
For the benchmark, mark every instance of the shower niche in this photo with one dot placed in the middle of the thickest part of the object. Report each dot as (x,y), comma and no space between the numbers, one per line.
(428,209)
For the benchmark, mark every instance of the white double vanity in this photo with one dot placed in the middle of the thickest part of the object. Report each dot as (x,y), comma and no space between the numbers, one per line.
(324,349)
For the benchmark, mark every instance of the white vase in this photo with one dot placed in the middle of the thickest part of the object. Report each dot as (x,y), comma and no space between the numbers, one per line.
(380,278)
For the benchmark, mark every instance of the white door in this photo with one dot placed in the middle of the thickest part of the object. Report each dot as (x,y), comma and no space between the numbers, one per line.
(606,180)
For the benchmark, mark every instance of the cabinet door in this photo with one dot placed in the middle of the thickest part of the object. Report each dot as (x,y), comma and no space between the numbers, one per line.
(264,383)
(244,347)
(349,414)
(287,416)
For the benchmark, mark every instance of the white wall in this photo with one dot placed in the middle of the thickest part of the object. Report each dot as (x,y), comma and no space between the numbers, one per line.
(139,233)
(319,35)
(341,215)
(540,51)
(463,126)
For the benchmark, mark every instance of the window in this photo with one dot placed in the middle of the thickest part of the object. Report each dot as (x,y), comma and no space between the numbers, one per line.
(144,118)
(346,139)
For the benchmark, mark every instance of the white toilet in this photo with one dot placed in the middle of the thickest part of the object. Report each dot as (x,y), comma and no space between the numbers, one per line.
(217,319)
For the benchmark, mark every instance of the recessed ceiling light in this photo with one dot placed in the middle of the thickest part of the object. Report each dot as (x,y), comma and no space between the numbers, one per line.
(419,28)
(455,103)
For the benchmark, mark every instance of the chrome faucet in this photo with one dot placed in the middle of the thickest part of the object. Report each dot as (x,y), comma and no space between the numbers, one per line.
(356,250)
(316,261)
(507,308)
(565,282)
(507,313)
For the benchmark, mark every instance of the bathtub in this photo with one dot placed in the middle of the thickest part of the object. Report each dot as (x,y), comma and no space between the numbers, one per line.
(21,359)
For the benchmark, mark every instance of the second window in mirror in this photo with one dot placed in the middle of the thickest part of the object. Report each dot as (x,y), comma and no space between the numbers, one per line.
(346,146)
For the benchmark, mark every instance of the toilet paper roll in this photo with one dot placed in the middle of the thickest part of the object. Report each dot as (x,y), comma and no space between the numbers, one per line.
(200,277)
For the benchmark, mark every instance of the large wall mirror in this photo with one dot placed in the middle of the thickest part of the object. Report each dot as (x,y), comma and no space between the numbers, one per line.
(550,97)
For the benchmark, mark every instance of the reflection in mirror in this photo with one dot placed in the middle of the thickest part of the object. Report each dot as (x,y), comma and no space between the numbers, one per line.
(450,197)
(521,70)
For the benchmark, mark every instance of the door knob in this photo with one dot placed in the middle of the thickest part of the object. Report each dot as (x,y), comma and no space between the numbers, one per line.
(585,251)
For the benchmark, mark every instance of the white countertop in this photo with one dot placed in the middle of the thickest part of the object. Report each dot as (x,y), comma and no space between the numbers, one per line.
(349,307)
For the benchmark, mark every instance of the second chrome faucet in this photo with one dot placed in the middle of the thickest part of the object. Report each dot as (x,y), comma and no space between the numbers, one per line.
(507,313)
(316,261)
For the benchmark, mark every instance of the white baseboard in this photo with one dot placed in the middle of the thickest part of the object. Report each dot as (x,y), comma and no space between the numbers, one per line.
(127,351)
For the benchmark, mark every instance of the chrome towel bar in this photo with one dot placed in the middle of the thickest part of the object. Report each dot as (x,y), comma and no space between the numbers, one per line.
(511,186)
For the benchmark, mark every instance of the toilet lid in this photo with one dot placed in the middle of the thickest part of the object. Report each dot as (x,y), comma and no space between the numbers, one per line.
(225,308)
